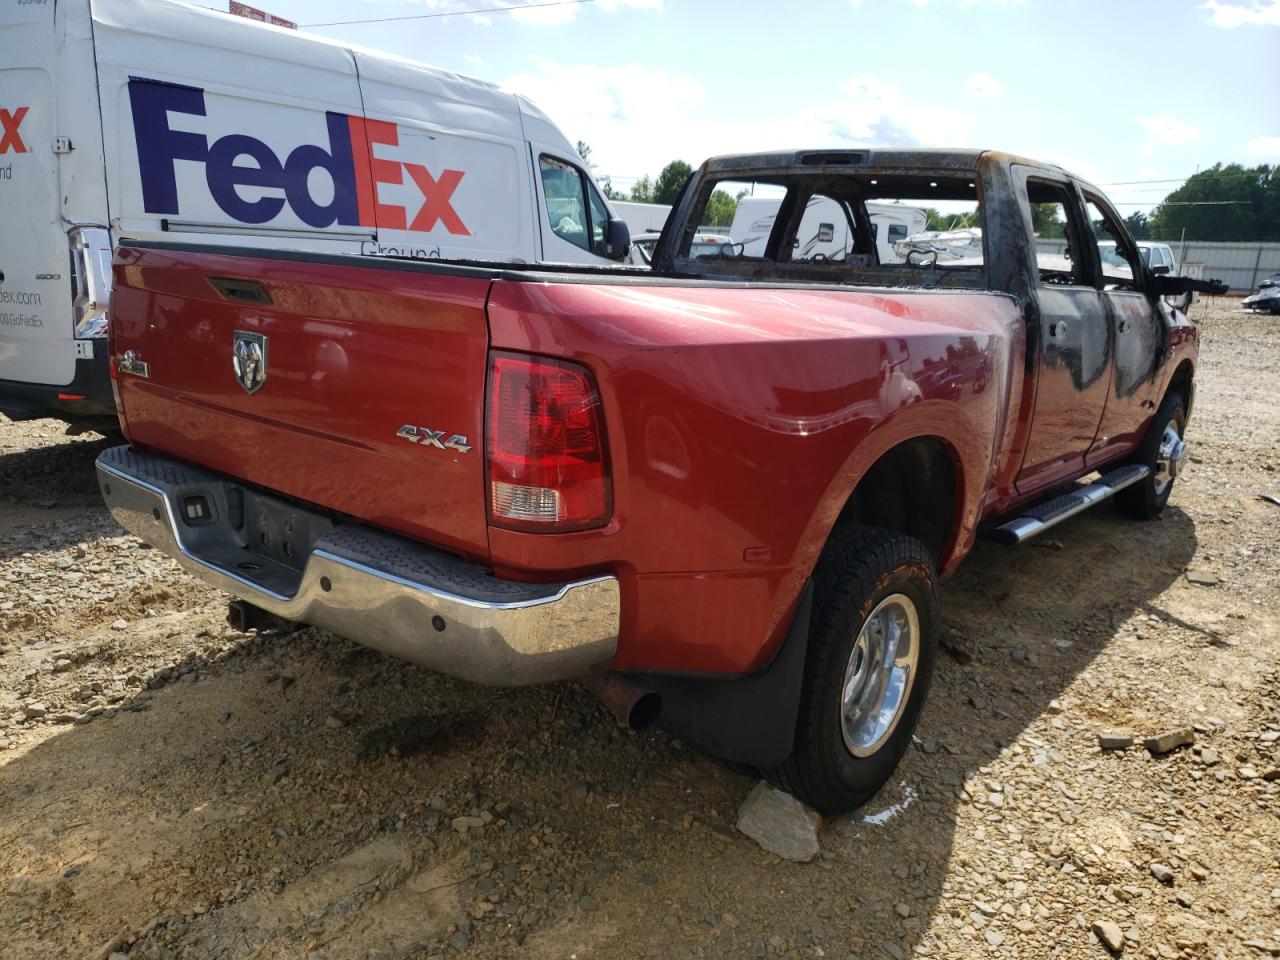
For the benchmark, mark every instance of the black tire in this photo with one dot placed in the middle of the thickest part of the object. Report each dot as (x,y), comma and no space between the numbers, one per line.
(1143,501)
(861,567)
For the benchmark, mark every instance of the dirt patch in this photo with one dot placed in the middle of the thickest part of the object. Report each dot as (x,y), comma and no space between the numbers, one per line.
(169,788)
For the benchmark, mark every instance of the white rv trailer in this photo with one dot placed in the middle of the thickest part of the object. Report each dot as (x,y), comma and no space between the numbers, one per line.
(642,217)
(824,229)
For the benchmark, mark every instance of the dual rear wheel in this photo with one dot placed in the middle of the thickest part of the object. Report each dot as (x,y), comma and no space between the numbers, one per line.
(873,641)
(872,645)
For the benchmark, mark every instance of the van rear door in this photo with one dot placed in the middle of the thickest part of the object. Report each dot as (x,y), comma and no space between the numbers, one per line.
(36,328)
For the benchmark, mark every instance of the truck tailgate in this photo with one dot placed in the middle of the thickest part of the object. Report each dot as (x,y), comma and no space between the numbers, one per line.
(349,357)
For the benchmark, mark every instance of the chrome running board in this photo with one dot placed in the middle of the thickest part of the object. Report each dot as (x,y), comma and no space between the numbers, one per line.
(1052,512)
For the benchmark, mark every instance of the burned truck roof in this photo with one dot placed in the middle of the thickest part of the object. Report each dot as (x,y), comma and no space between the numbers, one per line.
(866,160)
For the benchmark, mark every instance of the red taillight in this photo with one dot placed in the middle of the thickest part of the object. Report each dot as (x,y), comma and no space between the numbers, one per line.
(545,436)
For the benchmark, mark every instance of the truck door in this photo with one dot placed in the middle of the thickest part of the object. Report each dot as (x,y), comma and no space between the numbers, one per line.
(1137,331)
(37,343)
(1071,341)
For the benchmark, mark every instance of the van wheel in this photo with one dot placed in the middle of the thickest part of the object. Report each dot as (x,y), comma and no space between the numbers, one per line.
(872,645)
(1164,453)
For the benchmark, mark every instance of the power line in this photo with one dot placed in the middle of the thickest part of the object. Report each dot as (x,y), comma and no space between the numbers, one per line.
(1177,203)
(1203,174)
(452,13)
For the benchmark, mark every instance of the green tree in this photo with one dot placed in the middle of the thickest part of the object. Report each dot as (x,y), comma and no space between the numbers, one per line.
(720,209)
(584,151)
(667,187)
(941,222)
(1045,221)
(1225,202)
(1138,224)
(642,190)
(609,191)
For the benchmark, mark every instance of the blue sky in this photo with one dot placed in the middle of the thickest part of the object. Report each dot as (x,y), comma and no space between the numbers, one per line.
(1114,89)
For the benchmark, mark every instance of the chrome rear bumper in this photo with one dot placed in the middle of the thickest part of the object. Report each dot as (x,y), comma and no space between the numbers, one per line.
(380,590)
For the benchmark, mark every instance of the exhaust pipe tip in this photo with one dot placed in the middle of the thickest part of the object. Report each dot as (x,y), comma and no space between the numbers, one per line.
(645,711)
(635,707)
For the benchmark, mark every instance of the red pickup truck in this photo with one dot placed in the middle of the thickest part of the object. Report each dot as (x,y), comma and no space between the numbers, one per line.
(726,488)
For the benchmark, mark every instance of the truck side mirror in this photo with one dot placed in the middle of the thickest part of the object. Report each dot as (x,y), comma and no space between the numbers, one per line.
(617,239)
(1160,269)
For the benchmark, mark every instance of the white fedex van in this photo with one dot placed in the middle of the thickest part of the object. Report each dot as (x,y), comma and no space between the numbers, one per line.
(150,119)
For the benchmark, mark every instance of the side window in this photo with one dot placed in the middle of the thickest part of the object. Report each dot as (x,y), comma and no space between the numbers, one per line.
(599,219)
(1116,253)
(897,231)
(1052,224)
(563,188)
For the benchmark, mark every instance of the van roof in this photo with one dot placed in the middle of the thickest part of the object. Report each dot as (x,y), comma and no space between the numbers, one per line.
(171,18)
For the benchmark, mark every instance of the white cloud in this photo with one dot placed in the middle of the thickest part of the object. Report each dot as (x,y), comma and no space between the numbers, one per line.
(963,3)
(528,11)
(983,85)
(1267,147)
(1258,13)
(872,109)
(1167,129)
(476,60)
(556,16)
(543,16)
(638,119)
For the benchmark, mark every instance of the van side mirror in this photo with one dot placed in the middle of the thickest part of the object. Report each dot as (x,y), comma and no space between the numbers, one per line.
(617,239)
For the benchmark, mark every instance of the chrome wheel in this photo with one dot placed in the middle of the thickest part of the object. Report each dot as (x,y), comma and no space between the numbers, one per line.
(879,675)
(1171,457)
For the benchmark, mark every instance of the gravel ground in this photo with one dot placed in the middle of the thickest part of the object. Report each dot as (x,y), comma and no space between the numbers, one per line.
(169,788)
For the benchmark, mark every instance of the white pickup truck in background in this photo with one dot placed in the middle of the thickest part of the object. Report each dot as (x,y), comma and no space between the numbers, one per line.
(150,119)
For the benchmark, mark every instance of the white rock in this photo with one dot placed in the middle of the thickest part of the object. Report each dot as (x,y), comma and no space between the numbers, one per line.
(780,823)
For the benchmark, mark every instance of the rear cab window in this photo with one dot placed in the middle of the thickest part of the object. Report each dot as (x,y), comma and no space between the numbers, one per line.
(825,229)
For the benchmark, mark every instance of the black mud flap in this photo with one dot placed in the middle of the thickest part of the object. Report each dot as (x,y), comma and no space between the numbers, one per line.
(749,720)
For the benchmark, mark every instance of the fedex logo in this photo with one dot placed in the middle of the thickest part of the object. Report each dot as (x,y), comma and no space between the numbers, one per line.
(348,160)
(10,137)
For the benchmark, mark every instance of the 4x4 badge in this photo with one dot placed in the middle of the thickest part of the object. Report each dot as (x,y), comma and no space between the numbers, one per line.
(433,438)
(249,359)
